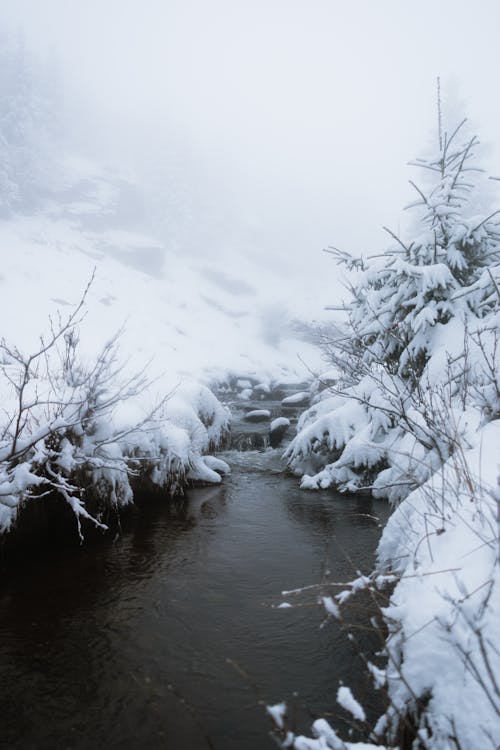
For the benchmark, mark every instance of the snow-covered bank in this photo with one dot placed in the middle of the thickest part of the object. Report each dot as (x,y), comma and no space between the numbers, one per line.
(440,548)
(78,430)
(443,657)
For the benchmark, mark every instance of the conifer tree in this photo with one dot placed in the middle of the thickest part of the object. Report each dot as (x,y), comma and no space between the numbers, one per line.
(421,321)
(398,301)
(27,117)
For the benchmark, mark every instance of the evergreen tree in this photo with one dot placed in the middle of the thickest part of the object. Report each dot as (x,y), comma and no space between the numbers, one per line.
(28,105)
(398,301)
(421,321)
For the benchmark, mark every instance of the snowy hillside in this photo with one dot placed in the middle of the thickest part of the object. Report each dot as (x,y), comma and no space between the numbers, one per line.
(192,316)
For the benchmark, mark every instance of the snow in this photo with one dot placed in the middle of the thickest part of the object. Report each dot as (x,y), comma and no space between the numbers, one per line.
(243,384)
(296,398)
(246,394)
(69,423)
(279,422)
(166,314)
(277,714)
(346,699)
(355,438)
(445,609)
(331,607)
(379,676)
(258,414)
(217,464)
(48,261)
(325,738)
(440,548)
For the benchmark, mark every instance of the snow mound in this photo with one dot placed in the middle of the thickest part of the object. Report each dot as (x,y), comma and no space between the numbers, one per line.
(444,613)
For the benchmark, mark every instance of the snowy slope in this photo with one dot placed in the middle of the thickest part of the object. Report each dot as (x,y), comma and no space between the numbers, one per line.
(194,316)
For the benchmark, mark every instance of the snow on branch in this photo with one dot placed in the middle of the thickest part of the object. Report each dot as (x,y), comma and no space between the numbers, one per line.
(59,434)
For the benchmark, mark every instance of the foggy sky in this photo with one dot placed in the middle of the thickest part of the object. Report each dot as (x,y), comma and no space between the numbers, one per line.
(299,117)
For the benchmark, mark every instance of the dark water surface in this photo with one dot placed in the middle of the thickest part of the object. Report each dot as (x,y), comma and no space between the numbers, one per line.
(126,645)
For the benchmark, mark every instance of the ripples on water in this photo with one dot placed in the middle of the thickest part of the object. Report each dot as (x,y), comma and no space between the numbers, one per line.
(126,645)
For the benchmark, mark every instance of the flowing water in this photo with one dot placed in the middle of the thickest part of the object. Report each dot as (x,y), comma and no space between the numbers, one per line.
(170,636)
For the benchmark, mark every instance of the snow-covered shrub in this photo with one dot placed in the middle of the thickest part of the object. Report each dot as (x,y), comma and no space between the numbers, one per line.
(174,448)
(67,430)
(421,343)
(441,550)
(57,435)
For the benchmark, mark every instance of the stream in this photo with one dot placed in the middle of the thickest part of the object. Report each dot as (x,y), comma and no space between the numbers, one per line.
(170,636)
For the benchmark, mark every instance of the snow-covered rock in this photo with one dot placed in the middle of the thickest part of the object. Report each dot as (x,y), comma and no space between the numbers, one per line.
(278,429)
(297,399)
(257,415)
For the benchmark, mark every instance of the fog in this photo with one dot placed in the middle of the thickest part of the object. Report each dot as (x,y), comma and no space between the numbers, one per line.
(288,124)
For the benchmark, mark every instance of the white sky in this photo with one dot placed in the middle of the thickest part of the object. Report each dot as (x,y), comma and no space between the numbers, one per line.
(301,114)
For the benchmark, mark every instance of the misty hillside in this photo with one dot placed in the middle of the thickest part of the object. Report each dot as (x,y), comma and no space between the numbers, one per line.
(191,315)
(223,308)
